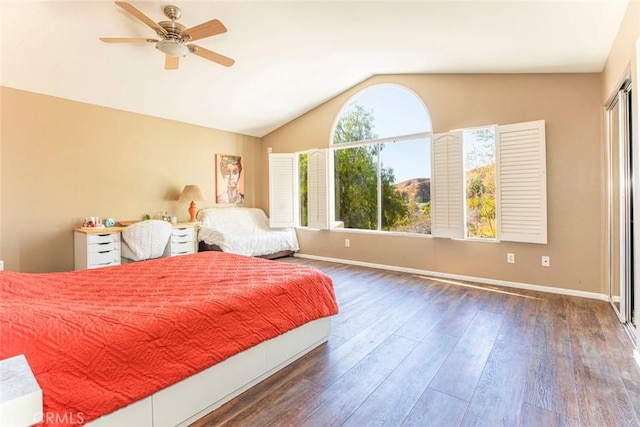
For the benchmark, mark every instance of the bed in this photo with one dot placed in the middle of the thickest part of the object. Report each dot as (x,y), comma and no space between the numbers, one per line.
(135,338)
(244,231)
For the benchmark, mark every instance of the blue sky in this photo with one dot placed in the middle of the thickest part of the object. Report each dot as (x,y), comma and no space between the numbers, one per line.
(399,112)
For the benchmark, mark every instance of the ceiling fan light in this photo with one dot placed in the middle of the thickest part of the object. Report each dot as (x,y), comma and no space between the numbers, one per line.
(172,48)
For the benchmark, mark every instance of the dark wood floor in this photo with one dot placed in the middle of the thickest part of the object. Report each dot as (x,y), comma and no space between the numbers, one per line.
(407,350)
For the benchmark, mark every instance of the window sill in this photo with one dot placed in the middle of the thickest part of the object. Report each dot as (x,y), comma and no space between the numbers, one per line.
(476,239)
(371,232)
(399,234)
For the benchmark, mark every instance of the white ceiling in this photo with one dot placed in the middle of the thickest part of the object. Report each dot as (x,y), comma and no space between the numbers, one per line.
(290,55)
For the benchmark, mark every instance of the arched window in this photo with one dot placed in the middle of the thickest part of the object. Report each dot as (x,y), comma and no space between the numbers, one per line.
(382,162)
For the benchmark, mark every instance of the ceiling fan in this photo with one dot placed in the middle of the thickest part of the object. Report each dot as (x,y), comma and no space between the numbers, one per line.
(174,37)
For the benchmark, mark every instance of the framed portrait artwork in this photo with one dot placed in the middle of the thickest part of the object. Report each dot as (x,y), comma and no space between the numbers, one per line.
(229,179)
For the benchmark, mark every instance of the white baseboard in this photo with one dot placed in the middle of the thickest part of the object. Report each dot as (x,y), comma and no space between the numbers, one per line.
(517,285)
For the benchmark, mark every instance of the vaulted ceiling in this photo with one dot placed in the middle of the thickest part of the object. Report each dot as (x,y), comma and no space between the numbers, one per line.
(291,56)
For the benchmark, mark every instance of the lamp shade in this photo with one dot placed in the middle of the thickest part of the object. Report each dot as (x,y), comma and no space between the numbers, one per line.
(191,193)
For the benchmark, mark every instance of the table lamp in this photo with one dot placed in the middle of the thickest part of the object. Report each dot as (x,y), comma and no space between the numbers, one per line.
(193,193)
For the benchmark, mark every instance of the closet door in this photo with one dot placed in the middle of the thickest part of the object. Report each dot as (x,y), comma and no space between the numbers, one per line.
(620,201)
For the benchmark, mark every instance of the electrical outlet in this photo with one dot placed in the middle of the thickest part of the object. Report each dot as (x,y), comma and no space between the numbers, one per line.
(1,265)
(511,258)
(347,243)
(546,261)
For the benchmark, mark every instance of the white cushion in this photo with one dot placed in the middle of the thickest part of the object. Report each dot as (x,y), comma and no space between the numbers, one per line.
(145,239)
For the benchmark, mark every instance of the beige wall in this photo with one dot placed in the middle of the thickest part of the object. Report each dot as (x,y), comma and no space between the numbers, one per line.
(64,160)
(570,104)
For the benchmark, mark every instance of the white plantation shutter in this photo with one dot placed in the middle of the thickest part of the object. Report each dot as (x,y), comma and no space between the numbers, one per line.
(521,182)
(318,189)
(283,183)
(447,186)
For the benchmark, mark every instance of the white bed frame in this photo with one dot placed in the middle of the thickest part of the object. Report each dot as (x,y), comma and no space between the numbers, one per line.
(192,398)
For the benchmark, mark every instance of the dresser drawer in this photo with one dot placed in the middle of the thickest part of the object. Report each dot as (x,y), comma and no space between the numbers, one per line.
(182,234)
(107,264)
(103,259)
(103,247)
(177,240)
(182,248)
(103,238)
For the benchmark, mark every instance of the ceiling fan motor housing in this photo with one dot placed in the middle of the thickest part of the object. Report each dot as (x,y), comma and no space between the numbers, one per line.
(172,43)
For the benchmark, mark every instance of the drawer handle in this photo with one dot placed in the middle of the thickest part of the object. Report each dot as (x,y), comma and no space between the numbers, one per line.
(103,252)
(181,235)
(104,243)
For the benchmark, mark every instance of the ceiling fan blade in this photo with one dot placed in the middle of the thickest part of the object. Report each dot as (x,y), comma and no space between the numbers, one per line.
(142,17)
(171,62)
(211,56)
(126,40)
(207,29)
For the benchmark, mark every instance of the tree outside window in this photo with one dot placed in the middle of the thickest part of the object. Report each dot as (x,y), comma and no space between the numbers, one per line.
(480,181)
(303,161)
(367,194)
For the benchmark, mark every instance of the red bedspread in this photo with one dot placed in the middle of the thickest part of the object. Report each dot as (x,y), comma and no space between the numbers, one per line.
(100,339)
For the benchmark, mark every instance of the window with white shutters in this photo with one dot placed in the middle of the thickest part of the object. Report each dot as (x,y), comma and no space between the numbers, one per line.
(318,189)
(521,182)
(283,191)
(447,208)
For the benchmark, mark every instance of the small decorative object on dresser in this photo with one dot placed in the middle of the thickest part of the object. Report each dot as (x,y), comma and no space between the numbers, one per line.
(93,222)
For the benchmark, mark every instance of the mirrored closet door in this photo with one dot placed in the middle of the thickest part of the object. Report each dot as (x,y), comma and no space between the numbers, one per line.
(620,201)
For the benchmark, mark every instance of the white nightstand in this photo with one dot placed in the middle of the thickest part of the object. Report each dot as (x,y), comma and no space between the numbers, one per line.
(98,247)
(183,239)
